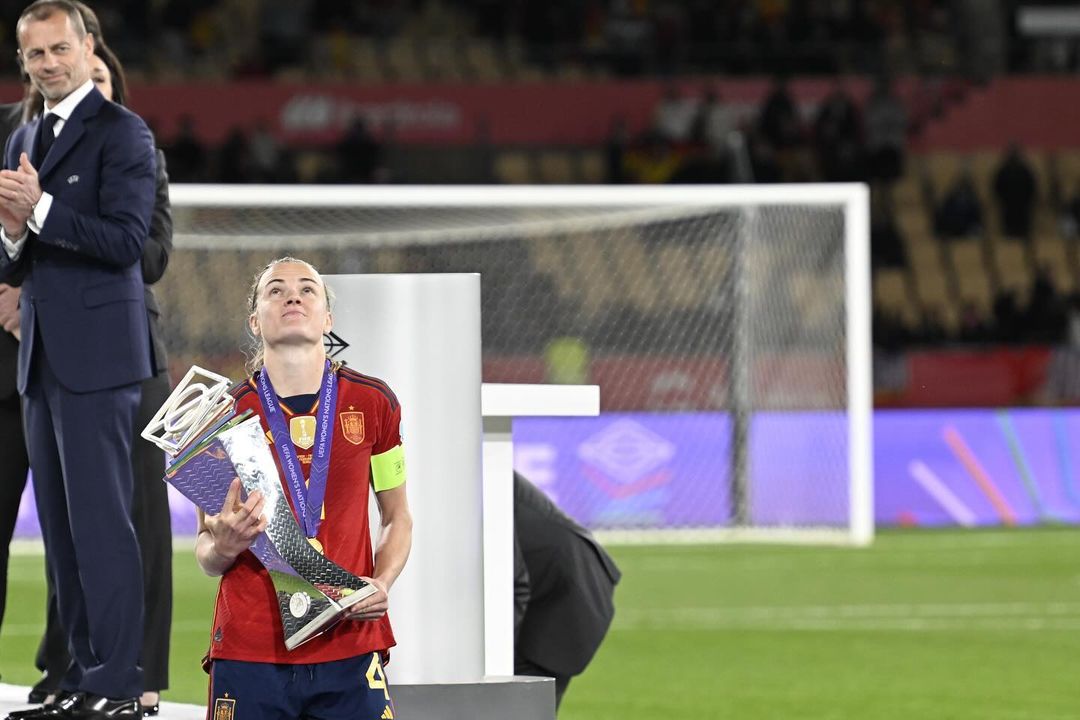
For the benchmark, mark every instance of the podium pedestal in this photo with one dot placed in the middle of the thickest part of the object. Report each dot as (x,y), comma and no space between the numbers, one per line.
(499,405)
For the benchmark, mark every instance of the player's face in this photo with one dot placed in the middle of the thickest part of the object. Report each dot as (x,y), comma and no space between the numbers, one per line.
(99,73)
(290,306)
(54,56)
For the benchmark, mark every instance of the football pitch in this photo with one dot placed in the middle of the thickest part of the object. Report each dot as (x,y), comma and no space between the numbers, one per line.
(924,624)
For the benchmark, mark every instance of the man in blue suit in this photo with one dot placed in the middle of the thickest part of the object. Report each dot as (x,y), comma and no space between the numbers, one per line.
(75,204)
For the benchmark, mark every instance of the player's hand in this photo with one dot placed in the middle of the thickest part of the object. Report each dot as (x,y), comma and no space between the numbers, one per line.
(235,528)
(372,607)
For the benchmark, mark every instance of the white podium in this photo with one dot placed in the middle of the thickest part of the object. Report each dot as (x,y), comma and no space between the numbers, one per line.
(453,606)
(500,404)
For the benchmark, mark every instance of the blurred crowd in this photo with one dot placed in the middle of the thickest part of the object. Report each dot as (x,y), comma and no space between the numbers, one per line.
(168,39)
(694,137)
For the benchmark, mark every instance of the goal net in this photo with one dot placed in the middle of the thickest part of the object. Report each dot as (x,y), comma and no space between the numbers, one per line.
(728,328)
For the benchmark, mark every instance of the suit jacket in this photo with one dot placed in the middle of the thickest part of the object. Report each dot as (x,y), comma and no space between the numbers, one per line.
(10,118)
(571,584)
(83,295)
(155,259)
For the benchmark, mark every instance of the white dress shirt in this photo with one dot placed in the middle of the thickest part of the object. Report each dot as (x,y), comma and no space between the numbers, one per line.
(62,110)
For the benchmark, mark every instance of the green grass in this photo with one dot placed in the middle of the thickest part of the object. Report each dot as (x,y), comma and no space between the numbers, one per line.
(925,624)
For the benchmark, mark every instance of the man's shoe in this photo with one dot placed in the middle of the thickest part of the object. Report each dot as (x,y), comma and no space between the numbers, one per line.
(151,710)
(95,707)
(64,706)
(43,688)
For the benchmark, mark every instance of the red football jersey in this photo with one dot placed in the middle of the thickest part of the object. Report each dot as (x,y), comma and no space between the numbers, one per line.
(247,622)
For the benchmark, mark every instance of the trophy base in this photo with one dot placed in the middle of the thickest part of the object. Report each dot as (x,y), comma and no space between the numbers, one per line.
(307,611)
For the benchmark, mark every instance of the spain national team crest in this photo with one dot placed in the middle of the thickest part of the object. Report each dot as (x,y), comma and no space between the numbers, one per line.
(352,427)
(224,708)
(302,431)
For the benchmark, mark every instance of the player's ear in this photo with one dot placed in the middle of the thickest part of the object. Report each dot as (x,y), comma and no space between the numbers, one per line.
(253,323)
(329,324)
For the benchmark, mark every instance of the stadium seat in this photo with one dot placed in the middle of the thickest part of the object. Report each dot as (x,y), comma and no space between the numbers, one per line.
(891,293)
(931,288)
(966,256)
(677,268)
(941,170)
(309,166)
(1051,253)
(484,62)
(365,63)
(592,167)
(514,167)
(444,60)
(635,275)
(924,255)
(593,262)
(401,60)
(556,167)
(1011,265)
(551,258)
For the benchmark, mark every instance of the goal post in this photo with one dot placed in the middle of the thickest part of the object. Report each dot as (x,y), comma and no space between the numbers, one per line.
(727,326)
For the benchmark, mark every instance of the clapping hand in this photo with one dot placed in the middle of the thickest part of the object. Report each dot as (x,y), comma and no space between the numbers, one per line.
(20,191)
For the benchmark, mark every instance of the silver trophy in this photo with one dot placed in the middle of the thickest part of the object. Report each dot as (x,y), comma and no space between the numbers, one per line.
(209,445)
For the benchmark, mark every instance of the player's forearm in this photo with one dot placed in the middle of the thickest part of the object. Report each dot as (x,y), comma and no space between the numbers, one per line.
(213,562)
(395,542)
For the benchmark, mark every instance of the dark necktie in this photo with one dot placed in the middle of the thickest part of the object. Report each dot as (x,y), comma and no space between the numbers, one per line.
(45,139)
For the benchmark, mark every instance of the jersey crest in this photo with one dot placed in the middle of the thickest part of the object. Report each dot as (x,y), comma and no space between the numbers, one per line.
(352,426)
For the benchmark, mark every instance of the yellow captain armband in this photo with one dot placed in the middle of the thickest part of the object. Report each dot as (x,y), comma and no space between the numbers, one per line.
(388,469)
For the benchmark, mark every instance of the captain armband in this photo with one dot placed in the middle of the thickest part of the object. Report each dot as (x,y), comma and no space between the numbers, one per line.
(388,469)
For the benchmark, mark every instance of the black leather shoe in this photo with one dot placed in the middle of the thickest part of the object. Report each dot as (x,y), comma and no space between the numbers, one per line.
(95,707)
(43,688)
(65,704)
(150,710)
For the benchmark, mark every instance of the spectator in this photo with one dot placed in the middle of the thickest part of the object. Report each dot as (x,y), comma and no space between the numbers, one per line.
(359,154)
(234,157)
(629,38)
(1069,218)
(713,122)
(886,245)
(1046,316)
(1015,189)
(264,154)
(615,151)
(778,122)
(885,121)
(960,213)
(655,162)
(973,328)
(1007,318)
(838,137)
(186,155)
(780,126)
(674,116)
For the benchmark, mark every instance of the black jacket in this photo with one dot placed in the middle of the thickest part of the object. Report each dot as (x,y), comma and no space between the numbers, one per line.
(564,585)
(10,118)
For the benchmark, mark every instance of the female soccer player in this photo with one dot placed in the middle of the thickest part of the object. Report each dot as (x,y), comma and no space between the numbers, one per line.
(337,431)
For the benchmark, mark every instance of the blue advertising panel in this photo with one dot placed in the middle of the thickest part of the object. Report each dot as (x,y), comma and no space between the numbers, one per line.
(671,470)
